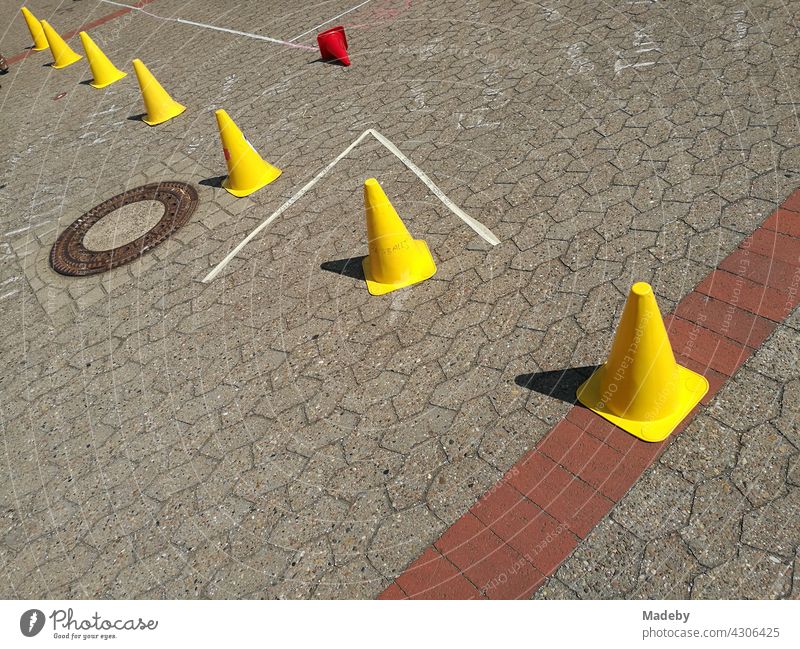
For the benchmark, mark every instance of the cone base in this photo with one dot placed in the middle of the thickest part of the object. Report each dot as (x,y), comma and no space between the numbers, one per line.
(694,385)
(269,176)
(40,49)
(67,63)
(176,110)
(116,78)
(377,288)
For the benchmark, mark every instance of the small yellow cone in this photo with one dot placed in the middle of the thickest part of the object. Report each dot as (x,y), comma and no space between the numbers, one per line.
(159,105)
(103,70)
(247,171)
(63,54)
(35,28)
(641,388)
(395,260)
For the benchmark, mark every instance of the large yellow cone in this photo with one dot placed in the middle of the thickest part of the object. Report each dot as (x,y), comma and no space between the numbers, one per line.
(62,53)
(247,171)
(395,259)
(159,105)
(103,70)
(35,28)
(641,388)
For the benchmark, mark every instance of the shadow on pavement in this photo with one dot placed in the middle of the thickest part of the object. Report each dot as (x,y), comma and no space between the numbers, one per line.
(350,267)
(560,384)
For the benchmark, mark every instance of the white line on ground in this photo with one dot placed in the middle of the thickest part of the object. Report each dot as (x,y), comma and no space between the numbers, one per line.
(183,21)
(481,229)
(10,294)
(330,20)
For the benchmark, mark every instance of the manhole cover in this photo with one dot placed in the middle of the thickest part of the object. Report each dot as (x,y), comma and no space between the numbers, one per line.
(70,257)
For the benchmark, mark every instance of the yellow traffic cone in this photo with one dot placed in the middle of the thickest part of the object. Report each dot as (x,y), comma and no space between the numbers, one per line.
(160,106)
(395,259)
(641,388)
(62,53)
(103,70)
(35,28)
(247,171)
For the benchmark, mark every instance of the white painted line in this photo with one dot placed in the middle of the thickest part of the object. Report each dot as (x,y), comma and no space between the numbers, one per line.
(619,65)
(218,268)
(481,229)
(10,294)
(183,21)
(344,13)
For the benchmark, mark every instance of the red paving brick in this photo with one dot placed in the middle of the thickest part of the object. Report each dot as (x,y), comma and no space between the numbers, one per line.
(432,576)
(726,319)
(784,221)
(582,454)
(499,571)
(580,507)
(793,202)
(585,463)
(759,269)
(538,478)
(600,428)
(705,346)
(748,295)
(773,245)
(526,527)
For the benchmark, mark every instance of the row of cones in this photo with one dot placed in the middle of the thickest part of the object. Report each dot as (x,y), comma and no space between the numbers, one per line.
(247,170)
(640,388)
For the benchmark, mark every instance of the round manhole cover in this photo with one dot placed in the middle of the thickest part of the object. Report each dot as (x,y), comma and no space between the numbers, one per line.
(70,256)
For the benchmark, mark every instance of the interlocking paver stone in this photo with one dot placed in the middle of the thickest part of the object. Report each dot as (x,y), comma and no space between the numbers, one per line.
(281,415)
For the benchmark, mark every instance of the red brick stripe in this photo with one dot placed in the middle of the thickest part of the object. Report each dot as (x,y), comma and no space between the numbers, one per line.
(86,27)
(521,531)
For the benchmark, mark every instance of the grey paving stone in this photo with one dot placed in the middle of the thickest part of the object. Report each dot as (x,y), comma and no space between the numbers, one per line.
(658,504)
(606,566)
(704,450)
(715,523)
(761,469)
(668,570)
(774,527)
(752,574)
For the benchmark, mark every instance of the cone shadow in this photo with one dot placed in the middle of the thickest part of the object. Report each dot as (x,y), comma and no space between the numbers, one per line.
(560,384)
(215,181)
(328,62)
(138,118)
(349,267)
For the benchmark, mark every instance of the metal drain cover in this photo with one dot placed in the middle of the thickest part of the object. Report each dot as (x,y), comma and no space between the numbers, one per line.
(70,257)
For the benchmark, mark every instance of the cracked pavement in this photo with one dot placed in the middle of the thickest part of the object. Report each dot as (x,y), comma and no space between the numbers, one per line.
(280,433)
